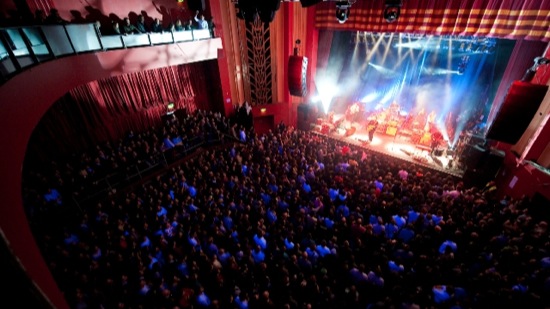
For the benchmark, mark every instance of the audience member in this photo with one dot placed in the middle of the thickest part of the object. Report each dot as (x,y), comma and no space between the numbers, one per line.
(54,18)
(39,17)
(157,26)
(128,28)
(201,22)
(97,27)
(116,29)
(189,25)
(178,26)
(140,24)
(212,27)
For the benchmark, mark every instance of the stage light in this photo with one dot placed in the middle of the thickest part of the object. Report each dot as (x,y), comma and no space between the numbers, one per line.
(369,98)
(392,10)
(327,91)
(342,11)
(316,99)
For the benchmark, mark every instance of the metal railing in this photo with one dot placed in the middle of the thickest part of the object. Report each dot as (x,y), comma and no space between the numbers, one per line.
(26,46)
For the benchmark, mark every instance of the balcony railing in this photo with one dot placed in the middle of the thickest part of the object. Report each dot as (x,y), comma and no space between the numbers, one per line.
(24,47)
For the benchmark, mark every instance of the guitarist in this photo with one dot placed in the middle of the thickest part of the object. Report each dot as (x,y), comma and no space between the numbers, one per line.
(371,128)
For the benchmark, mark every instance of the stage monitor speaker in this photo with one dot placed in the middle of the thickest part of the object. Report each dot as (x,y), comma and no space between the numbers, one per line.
(516,112)
(473,156)
(297,72)
(492,162)
(196,5)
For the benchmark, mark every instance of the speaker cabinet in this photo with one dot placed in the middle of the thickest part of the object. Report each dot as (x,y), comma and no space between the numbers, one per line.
(305,117)
(473,156)
(297,72)
(516,112)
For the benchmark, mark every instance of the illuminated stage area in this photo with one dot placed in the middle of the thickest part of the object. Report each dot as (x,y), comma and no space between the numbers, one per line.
(418,148)
(418,95)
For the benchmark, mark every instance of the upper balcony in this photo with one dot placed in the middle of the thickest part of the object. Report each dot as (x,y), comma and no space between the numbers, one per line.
(24,47)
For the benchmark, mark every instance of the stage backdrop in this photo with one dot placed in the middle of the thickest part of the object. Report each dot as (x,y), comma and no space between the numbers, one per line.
(527,19)
(456,77)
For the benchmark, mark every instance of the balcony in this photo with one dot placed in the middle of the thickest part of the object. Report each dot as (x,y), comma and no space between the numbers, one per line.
(24,47)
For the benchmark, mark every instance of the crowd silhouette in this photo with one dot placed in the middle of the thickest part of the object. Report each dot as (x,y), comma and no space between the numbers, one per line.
(288,219)
(114,25)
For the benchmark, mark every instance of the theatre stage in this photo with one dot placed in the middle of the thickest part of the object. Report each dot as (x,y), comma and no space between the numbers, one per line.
(398,146)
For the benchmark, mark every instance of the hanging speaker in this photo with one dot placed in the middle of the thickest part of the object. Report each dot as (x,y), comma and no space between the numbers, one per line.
(297,74)
(516,112)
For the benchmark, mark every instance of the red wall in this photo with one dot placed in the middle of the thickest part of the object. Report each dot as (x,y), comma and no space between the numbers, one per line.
(280,112)
(528,179)
(25,99)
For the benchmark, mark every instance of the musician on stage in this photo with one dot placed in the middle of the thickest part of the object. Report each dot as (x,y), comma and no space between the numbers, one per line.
(371,128)
(353,112)
(437,138)
(430,121)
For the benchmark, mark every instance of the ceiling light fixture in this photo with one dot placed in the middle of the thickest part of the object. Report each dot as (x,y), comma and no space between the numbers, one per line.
(392,10)
(342,11)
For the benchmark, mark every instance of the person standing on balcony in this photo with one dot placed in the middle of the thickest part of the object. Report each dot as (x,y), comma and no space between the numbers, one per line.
(212,27)
(201,22)
(157,26)
(116,28)
(97,27)
(54,18)
(39,17)
(140,25)
(128,28)
(178,26)
(188,26)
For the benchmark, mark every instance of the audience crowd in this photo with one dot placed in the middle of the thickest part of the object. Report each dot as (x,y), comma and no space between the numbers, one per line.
(288,219)
(124,26)
(83,175)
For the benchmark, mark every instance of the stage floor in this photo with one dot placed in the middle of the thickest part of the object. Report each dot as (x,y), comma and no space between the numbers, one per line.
(399,147)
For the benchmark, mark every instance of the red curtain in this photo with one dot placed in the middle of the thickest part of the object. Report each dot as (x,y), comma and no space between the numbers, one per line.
(512,19)
(325,39)
(44,5)
(107,109)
